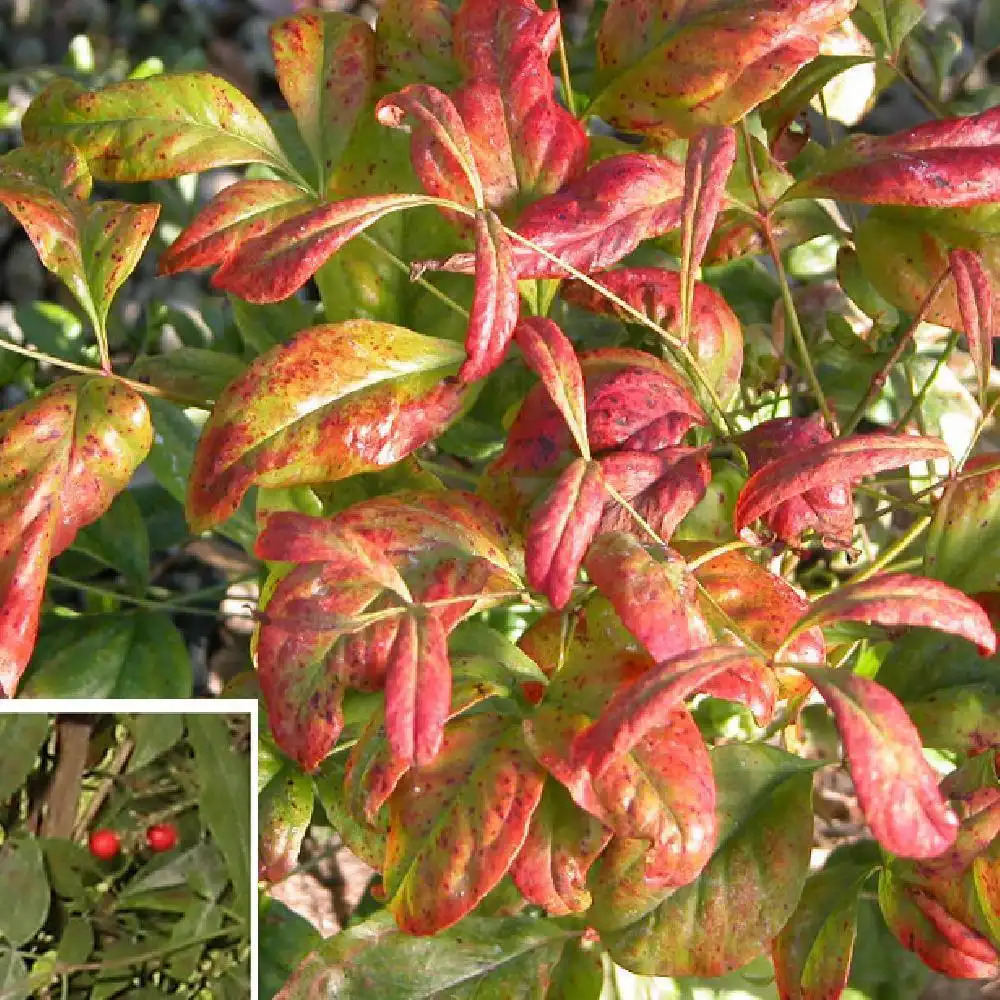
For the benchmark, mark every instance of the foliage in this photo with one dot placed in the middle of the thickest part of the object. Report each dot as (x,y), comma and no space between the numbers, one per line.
(578,443)
(99,905)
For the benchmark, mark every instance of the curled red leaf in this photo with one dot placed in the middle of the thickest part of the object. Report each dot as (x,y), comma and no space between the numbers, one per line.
(975,305)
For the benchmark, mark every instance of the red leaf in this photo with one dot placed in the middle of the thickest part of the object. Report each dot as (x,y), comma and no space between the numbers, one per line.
(940,164)
(440,149)
(457,824)
(595,221)
(562,843)
(372,771)
(527,146)
(550,355)
(825,465)
(902,599)
(654,598)
(272,266)
(827,510)
(561,529)
(63,458)
(897,789)
(241,212)
(417,689)
(975,304)
(643,705)
(495,301)
(715,338)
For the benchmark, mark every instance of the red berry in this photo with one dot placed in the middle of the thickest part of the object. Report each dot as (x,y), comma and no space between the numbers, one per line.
(104,844)
(161,837)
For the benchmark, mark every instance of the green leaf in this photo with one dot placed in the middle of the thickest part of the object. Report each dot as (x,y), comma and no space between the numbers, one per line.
(163,126)
(285,939)
(922,662)
(285,808)
(193,372)
(224,798)
(265,326)
(118,655)
(730,913)
(23,878)
(367,842)
(578,975)
(14,979)
(22,737)
(119,539)
(154,733)
(487,959)
(888,21)
(77,941)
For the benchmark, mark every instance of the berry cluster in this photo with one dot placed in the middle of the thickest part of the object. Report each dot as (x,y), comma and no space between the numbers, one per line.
(105,844)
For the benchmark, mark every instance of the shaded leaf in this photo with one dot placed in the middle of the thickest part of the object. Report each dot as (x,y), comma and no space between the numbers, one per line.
(897,789)
(284,809)
(671,69)
(162,126)
(66,455)
(334,401)
(457,824)
(22,736)
(23,878)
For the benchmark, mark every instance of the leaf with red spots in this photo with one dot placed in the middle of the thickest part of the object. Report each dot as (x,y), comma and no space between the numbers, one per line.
(562,843)
(672,68)
(643,704)
(63,459)
(525,144)
(897,789)
(440,149)
(284,809)
(715,337)
(239,213)
(941,164)
(654,595)
(596,220)
(662,790)
(765,607)
(162,126)
(550,355)
(812,954)
(975,305)
(741,900)
(828,465)
(359,612)
(456,825)
(275,263)
(495,301)
(963,543)
(413,44)
(334,401)
(562,526)
(894,599)
(91,248)
(324,63)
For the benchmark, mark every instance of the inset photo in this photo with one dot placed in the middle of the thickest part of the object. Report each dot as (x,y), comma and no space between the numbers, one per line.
(126,858)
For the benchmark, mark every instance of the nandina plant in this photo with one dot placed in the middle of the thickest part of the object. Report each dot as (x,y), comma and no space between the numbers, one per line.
(572,498)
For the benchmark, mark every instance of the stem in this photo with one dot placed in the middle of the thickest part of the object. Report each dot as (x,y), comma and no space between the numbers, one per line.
(878,380)
(764,221)
(918,400)
(925,99)
(102,345)
(890,552)
(716,412)
(564,67)
(721,550)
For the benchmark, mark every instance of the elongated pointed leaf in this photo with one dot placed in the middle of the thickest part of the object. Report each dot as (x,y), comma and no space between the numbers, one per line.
(941,164)
(550,355)
(440,149)
(510,958)
(597,220)
(162,126)
(812,954)
(457,824)
(975,305)
(285,810)
(672,68)
(655,598)
(561,528)
(843,460)
(325,63)
(495,302)
(241,212)
(896,787)
(63,459)
(335,401)
(894,599)
(562,843)
(91,248)
(715,337)
(526,144)
(636,709)
(742,898)
(273,265)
